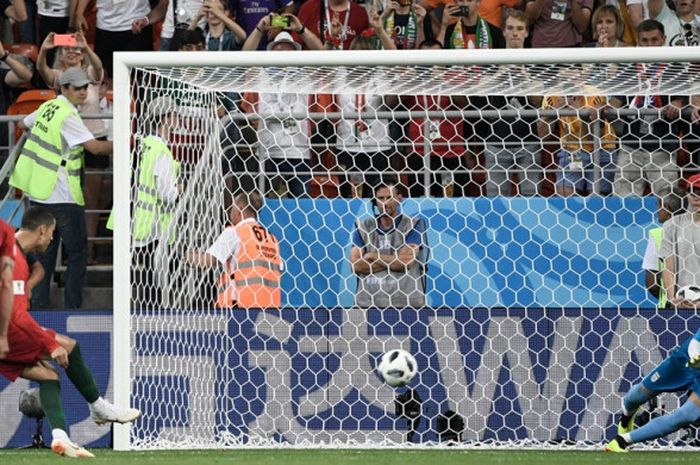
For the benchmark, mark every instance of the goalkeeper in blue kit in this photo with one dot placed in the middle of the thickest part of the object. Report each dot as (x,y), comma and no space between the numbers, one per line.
(680,371)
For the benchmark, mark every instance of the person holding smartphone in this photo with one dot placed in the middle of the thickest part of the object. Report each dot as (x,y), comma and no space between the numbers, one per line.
(462,27)
(221,32)
(403,21)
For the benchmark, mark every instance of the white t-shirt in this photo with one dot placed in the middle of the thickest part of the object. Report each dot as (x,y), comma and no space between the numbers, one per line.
(117,15)
(192,7)
(368,135)
(674,28)
(651,256)
(73,133)
(644,3)
(53,8)
(280,135)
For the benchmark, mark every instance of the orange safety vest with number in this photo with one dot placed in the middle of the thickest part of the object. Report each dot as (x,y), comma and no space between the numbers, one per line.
(258,271)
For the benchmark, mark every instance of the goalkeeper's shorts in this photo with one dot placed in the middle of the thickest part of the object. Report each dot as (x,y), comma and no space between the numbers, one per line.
(672,375)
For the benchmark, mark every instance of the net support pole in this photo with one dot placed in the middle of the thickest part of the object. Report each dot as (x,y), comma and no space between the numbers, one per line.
(121,353)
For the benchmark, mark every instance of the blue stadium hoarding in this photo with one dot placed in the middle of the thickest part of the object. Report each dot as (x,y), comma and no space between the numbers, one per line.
(512,373)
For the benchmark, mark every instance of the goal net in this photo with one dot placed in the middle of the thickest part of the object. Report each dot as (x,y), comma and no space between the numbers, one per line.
(529,212)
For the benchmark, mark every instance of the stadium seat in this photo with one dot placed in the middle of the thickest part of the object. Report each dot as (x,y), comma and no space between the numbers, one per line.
(30,51)
(27,102)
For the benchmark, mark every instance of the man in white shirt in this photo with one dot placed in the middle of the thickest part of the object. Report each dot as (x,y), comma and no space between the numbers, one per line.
(52,180)
(682,27)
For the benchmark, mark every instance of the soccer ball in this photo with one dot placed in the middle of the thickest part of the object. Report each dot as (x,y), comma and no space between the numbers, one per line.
(691,293)
(398,367)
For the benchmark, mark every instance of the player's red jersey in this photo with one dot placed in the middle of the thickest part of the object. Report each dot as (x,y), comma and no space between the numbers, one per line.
(7,240)
(28,341)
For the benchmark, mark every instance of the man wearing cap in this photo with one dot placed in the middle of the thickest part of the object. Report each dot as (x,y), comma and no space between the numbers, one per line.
(680,249)
(48,172)
(156,197)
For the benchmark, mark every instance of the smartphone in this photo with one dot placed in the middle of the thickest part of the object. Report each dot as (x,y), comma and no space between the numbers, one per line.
(64,40)
(281,22)
(463,11)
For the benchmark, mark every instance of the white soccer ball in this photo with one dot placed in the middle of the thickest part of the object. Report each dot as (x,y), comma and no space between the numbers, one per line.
(691,293)
(398,367)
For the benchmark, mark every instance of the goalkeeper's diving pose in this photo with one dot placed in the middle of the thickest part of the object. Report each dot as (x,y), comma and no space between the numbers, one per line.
(32,346)
(680,371)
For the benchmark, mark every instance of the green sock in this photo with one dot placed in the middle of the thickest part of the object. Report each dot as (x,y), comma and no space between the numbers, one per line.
(50,395)
(80,375)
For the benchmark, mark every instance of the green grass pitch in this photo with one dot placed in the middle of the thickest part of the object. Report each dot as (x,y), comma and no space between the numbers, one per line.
(354,457)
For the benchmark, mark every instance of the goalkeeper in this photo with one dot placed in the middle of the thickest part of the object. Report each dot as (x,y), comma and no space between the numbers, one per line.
(680,372)
(32,346)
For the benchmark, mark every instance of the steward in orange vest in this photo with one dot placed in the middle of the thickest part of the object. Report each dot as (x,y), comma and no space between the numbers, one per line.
(250,255)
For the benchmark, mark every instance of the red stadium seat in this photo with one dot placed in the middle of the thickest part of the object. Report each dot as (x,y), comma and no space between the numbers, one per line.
(30,51)
(27,102)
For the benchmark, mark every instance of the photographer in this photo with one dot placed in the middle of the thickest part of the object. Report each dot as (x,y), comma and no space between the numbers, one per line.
(462,27)
(289,23)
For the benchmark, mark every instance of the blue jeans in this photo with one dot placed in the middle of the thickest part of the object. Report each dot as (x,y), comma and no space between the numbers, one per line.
(580,175)
(70,229)
(297,182)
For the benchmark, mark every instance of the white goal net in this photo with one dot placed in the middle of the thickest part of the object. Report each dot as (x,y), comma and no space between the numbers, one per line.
(523,216)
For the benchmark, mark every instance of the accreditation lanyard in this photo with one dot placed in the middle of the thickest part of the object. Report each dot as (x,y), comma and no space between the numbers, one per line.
(221,40)
(344,30)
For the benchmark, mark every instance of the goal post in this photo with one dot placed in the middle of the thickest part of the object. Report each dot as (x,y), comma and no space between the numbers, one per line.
(531,339)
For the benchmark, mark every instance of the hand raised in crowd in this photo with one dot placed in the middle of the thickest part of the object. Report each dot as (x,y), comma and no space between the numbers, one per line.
(336,26)
(672,111)
(375,21)
(391,8)
(294,23)
(48,44)
(80,40)
(421,13)
(449,15)
(264,23)
(215,7)
(80,23)
(138,24)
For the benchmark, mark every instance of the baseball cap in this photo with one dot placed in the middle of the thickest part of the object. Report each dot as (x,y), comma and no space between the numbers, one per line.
(283,37)
(161,106)
(75,77)
(694,182)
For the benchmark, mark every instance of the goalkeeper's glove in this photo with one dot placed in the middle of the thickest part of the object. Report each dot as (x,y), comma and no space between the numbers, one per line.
(694,363)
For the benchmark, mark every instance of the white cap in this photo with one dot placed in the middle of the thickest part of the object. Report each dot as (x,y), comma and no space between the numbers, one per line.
(161,106)
(283,37)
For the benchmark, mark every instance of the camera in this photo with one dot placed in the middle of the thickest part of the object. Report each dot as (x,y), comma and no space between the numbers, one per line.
(463,11)
(279,21)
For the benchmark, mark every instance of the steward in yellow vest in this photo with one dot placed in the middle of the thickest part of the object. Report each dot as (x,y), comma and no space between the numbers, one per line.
(48,171)
(250,255)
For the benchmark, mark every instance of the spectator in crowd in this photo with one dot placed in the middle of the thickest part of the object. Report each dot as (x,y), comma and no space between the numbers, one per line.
(648,141)
(157,193)
(403,21)
(389,254)
(558,23)
(512,143)
(335,22)
(81,56)
(12,76)
(682,26)
(577,154)
(283,141)
(608,27)
(179,14)
(33,346)
(53,16)
(441,139)
(632,13)
(221,32)
(48,171)
(248,14)
(653,267)
(121,26)
(14,10)
(7,263)
(462,27)
(680,249)
(249,257)
(693,143)
(363,144)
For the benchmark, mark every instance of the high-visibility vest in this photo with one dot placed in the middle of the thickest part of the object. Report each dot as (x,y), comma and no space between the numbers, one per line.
(658,234)
(258,271)
(42,155)
(148,208)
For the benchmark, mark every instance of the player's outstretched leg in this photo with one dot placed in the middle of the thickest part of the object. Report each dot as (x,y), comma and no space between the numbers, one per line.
(50,395)
(661,426)
(80,375)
